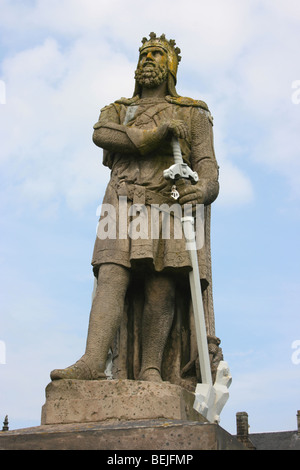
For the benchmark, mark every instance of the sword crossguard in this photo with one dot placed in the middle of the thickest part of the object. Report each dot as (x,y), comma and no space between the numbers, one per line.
(180,170)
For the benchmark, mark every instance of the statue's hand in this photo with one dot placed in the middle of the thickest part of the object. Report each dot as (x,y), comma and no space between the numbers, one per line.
(178,128)
(190,194)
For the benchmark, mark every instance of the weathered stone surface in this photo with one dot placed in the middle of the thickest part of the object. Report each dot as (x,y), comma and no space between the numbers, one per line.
(136,435)
(84,401)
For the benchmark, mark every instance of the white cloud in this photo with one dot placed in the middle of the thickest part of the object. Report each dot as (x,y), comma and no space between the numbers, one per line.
(244,62)
(53,100)
(288,10)
(235,187)
(54,95)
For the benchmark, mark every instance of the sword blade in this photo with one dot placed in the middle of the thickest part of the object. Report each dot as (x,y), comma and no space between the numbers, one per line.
(183,171)
(197,301)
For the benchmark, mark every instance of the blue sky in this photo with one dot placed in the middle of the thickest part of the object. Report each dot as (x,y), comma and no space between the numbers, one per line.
(61,61)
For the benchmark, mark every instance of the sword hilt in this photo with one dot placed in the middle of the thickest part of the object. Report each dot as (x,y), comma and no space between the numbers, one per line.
(177,151)
(179,169)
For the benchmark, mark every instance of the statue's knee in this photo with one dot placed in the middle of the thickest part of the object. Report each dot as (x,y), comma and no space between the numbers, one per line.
(112,280)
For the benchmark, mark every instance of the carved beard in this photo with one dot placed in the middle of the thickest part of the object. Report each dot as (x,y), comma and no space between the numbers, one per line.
(151,75)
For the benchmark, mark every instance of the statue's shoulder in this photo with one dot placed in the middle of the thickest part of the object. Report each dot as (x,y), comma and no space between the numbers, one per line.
(179,100)
(191,103)
(117,103)
(186,101)
(127,101)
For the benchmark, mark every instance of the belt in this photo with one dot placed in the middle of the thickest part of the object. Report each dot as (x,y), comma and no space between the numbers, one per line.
(140,194)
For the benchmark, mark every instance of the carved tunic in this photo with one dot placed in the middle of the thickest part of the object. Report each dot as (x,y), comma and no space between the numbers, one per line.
(137,173)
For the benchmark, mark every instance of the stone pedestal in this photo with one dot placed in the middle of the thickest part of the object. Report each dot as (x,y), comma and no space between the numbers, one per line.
(159,436)
(119,415)
(86,401)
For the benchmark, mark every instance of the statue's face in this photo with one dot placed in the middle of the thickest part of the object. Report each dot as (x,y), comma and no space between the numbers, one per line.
(153,56)
(152,68)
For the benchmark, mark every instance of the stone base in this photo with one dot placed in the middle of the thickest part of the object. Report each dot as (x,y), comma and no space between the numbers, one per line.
(86,401)
(119,415)
(136,436)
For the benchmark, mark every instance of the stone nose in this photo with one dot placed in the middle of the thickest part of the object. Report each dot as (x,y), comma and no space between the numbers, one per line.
(149,56)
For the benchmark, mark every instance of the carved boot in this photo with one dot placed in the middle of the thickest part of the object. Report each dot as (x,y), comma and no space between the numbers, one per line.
(150,374)
(78,371)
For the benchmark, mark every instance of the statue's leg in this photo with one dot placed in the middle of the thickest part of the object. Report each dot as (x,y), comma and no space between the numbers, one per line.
(105,318)
(157,321)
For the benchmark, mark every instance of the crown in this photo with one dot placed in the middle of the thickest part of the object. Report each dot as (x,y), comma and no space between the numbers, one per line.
(162,42)
(168,46)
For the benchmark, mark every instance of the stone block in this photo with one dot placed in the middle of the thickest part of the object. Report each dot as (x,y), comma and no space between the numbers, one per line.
(137,436)
(119,415)
(84,401)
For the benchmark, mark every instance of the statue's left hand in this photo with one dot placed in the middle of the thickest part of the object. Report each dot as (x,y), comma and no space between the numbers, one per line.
(190,194)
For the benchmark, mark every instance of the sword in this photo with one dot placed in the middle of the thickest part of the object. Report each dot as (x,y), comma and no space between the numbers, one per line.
(209,400)
(175,172)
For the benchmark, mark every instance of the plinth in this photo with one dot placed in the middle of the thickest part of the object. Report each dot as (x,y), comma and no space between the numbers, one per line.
(119,415)
(86,401)
(135,436)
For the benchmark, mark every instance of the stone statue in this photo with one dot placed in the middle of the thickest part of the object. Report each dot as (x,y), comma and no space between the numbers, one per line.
(141,312)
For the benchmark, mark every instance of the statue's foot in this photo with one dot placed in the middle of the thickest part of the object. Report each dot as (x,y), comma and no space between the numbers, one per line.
(150,375)
(78,371)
